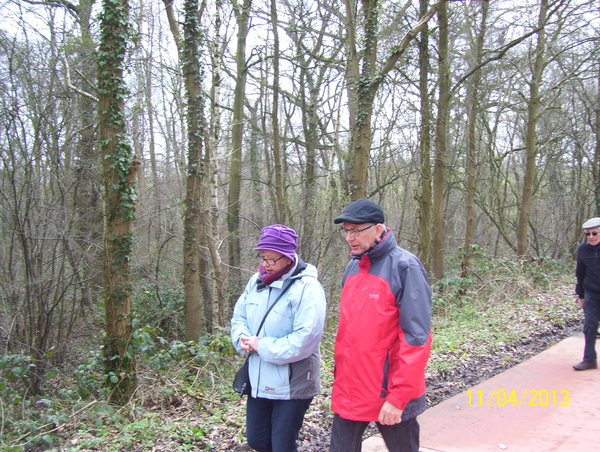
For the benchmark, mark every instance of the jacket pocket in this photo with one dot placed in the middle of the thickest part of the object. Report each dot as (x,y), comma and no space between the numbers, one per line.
(305,380)
(384,380)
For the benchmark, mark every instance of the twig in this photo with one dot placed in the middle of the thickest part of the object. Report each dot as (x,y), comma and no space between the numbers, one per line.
(73,87)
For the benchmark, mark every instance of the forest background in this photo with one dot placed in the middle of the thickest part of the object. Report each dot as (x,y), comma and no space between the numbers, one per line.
(144,145)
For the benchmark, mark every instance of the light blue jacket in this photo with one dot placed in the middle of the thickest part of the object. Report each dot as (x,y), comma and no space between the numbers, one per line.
(288,360)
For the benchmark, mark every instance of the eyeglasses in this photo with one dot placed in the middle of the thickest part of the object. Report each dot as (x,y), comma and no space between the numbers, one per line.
(268,261)
(354,232)
(595,233)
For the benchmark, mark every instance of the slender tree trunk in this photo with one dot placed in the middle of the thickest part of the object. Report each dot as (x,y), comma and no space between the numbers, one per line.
(235,170)
(137,137)
(119,176)
(154,193)
(471,143)
(195,171)
(88,202)
(277,157)
(309,92)
(439,167)
(530,138)
(360,140)
(210,189)
(425,145)
(597,147)
(352,72)
(206,282)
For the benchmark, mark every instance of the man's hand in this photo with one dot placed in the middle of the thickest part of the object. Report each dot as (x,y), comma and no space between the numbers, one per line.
(581,302)
(389,414)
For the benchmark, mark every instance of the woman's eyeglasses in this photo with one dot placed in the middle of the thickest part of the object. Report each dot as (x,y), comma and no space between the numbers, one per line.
(595,233)
(268,261)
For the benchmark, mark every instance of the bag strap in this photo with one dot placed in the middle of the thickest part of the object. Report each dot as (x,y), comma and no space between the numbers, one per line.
(301,266)
(274,303)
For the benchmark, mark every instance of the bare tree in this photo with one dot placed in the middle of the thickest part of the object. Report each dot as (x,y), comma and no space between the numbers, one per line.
(281,214)
(530,137)
(235,170)
(425,144)
(363,81)
(472,140)
(213,275)
(439,165)
(596,130)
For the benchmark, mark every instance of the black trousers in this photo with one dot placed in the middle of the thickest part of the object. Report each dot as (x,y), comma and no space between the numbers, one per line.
(346,435)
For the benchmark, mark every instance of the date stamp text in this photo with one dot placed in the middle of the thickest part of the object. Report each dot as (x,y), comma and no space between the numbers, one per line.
(525,397)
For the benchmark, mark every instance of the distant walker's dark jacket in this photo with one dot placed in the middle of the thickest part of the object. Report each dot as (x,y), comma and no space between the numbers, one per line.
(588,271)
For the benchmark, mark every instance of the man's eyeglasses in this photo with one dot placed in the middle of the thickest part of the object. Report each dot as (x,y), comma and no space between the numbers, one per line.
(595,233)
(354,232)
(268,261)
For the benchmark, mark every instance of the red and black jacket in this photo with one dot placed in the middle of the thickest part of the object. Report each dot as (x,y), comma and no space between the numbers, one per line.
(384,334)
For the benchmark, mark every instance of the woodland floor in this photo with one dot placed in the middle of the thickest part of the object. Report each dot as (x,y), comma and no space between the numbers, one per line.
(531,327)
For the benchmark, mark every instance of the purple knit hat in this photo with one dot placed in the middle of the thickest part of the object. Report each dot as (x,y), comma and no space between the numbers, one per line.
(278,238)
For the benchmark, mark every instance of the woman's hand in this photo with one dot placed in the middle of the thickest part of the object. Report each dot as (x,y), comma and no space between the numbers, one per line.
(249,344)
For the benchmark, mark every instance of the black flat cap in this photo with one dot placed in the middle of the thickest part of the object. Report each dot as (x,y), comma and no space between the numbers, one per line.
(361,211)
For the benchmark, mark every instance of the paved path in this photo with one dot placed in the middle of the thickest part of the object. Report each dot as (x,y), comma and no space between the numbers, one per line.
(540,405)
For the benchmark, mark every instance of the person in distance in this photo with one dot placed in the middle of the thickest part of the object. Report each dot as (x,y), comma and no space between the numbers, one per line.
(587,289)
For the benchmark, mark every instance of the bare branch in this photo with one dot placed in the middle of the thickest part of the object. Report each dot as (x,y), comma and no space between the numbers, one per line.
(500,53)
(401,48)
(73,9)
(73,87)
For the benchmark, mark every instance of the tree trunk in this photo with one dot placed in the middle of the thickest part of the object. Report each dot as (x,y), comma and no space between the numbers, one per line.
(235,169)
(425,146)
(471,143)
(530,138)
(439,166)
(281,213)
(88,202)
(119,176)
(597,147)
(210,207)
(360,76)
(195,171)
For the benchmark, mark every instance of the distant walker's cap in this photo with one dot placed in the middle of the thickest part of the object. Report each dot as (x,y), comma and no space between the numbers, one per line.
(591,223)
(360,212)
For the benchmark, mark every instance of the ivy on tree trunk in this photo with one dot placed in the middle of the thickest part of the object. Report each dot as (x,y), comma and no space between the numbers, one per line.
(119,170)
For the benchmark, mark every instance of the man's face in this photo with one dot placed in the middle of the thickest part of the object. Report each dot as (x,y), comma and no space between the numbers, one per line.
(360,237)
(593,236)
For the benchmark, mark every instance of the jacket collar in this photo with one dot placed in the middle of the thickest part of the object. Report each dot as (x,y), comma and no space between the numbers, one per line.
(294,273)
(380,247)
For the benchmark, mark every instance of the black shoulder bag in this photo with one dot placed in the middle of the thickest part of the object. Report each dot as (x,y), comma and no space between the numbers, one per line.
(241,382)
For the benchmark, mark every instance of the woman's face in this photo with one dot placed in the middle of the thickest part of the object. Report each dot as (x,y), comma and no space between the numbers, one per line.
(272,261)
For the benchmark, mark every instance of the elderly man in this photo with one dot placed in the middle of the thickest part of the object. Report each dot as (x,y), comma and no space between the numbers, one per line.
(384,336)
(588,290)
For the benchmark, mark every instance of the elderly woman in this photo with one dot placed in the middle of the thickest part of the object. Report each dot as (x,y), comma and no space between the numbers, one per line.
(284,359)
